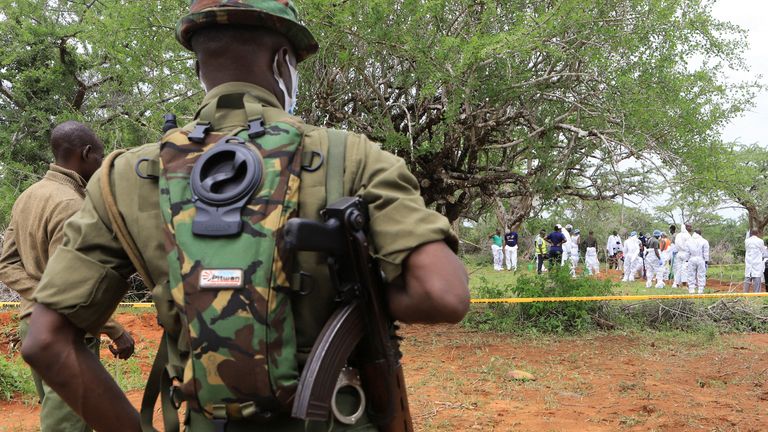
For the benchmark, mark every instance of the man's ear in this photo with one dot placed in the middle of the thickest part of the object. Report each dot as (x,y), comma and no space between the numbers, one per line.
(86,152)
(283,70)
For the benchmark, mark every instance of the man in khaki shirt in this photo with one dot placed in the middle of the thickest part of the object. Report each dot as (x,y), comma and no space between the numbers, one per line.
(34,233)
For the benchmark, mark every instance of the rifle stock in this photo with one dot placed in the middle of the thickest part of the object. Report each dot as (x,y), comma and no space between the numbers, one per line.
(372,345)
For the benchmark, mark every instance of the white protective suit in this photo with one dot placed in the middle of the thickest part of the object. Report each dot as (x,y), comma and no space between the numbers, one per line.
(590,259)
(680,266)
(698,251)
(754,263)
(573,254)
(631,257)
(566,246)
(654,268)
(614,246)
(498,257)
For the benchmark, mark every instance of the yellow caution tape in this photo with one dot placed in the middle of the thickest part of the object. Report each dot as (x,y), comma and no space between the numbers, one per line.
(131,305)
(618,298)
(540,299)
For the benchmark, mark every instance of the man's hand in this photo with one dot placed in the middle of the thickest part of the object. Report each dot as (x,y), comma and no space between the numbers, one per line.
(123,346)
(56,349)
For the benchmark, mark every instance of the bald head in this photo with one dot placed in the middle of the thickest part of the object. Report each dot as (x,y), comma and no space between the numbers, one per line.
(241,54)
(77,148)
(70,138)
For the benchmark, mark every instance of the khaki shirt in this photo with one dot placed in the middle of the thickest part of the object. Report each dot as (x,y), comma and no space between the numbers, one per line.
(400,222)
(36,231)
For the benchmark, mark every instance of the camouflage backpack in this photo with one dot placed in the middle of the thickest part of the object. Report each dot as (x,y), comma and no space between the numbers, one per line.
(224,200)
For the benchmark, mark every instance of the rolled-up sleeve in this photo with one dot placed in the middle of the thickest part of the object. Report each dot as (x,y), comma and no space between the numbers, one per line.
(12,272)
(400,222)
(86,277)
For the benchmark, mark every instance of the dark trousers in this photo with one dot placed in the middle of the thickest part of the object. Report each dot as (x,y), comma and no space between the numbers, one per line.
(555,258)
(765,274)
(540,262)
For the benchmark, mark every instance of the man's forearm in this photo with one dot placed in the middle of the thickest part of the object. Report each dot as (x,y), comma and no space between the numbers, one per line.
(55,348)
(435,287)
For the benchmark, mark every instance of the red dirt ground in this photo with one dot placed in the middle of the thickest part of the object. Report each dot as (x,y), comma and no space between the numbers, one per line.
(460,380)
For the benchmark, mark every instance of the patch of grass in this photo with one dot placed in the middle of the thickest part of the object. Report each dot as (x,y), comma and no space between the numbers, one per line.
(127,373)
(15,378)
(629,421)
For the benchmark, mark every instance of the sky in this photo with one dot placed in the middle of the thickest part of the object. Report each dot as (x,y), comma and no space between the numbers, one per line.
(751,15)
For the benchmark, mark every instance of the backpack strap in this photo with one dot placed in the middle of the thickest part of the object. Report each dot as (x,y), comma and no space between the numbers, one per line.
(159,378)
(118,223)
(159,383)
(334,171)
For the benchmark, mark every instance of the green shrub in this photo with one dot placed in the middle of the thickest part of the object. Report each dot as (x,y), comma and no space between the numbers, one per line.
(560,317)
(15,378)
(545,317)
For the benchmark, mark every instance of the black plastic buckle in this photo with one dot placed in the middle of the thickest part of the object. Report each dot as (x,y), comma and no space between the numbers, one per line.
(256,128)
(312,166)
(199,133)
(141,175)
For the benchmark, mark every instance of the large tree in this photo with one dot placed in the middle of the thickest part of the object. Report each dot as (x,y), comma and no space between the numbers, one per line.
(112,64)
(729,175)
(524,100)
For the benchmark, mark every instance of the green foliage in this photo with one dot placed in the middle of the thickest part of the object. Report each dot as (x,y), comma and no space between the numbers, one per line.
(727,175)
(113,65)
(547,317)
(15,378)
(561,316)
(525,100)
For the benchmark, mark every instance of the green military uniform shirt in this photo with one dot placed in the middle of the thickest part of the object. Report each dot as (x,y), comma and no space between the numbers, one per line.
(399,222)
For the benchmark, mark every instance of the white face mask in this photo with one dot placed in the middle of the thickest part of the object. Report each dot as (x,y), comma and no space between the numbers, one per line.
(289,101)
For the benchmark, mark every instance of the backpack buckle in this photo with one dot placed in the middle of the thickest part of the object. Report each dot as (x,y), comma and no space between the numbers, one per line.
(199,133)
(256,128)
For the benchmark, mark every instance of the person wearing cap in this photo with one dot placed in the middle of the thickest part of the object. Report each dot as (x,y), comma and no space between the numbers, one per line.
(631,256)
(654,263)
(247,53)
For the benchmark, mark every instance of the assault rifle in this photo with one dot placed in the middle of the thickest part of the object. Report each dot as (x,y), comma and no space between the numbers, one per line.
(360,335)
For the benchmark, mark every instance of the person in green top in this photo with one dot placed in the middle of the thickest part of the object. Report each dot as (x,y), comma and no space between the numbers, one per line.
(496,251)
(246,49)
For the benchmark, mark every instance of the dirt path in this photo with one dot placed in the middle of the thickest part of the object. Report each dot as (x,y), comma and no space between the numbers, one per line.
(460,380)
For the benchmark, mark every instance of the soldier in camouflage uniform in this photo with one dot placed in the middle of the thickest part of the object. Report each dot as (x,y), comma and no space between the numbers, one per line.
(247,52)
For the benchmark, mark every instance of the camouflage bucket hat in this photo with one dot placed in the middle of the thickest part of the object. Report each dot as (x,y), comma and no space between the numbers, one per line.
(278,15)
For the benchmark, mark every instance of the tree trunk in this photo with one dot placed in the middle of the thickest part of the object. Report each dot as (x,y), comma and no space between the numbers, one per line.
(519,209)
(756,220)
